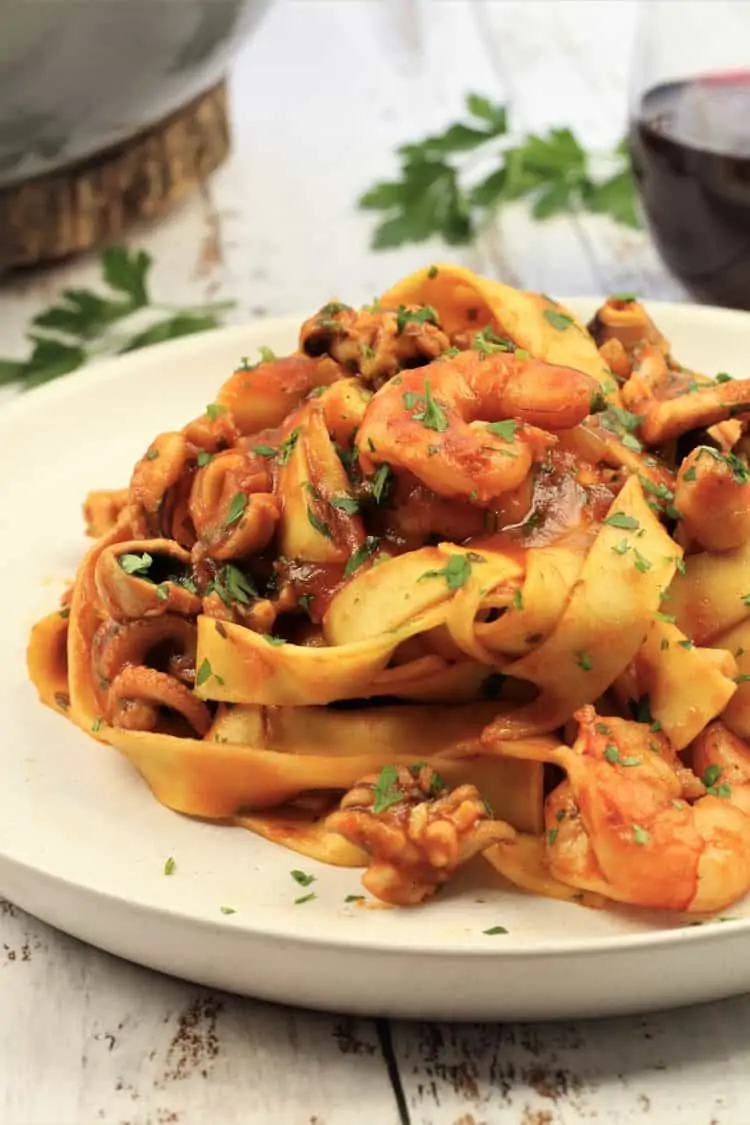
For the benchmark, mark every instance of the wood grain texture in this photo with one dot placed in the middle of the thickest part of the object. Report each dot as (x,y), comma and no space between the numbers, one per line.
(319,100)
(98,200)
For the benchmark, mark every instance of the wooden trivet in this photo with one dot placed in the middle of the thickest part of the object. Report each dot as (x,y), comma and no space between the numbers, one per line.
(96,200)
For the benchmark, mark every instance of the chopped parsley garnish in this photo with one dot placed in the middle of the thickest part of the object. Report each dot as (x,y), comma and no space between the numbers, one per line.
(203,458)
(506,430)
(271,640)
(169,866)
(162,591)
(640,709)
(745,599)
(236,509)
(680,566)
(557,319)
(723,377)
(227,910)
(613,756)
(668,617)
(370,546)
(302,877)
(493,930)
(518,598)
(151,455)
(306,600)
(709,779)
(622,547)
(690,474)
(433,416)
(641,563)
(488,342)
(640,835)
(386,792)
(381,484)
(137,565)
(584,661)
(686,643)
(423,315)
(204,672)
(432,272)
(319,524)
(623,521)
(305,898)
(552,835)
(626,298)
(97,724)
(285,450)
(354,898)
(215,410)
(264,450)
(345,504)
(743,678)
(456,572)
(233,585)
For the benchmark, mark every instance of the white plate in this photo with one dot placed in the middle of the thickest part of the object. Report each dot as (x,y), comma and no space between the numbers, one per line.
(83,843)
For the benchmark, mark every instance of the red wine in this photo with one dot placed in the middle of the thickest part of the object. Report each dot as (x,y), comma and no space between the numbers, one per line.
(690,148)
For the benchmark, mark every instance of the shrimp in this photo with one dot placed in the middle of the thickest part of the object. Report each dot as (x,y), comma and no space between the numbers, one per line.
(625,829)
(428,421)
(373,341)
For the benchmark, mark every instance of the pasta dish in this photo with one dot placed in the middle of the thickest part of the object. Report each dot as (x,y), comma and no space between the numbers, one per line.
(461,577)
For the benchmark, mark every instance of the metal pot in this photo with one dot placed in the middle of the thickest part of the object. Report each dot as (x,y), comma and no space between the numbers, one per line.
(79,76)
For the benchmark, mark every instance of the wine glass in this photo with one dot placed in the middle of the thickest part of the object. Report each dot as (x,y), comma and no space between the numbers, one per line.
(690,141)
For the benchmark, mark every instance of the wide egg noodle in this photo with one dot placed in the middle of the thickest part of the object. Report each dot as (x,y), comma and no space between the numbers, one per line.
(580,658)
(464,301)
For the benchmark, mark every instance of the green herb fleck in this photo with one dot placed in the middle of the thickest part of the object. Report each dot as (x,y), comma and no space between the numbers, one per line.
(493,930)
(506,430)
(423,315)
(137,565)
(302,877)
(271,640)
(558,320)
(370,546)
(623,521)
(236,509)
(584,661)
(456,572)
(215,410)
(203,458)
(640,835)
(204,672)
(385,792)
(319,524)
(169,866)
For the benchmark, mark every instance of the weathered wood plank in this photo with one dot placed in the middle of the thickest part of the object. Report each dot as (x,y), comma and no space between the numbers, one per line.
(87,1038)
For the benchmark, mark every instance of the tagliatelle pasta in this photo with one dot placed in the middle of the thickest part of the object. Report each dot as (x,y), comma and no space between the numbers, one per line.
(461,577)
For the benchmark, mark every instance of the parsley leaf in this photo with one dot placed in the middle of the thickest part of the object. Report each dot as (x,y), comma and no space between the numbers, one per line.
(236,509)
(204,672)
(493,930)
(318,524)
(385,792)
(623,521)
(436,192)
(382,483)
(370,546)
(137,565)
(558,320)
(169,866)
(506,430)
(456,572)
(425,314)
(345,504)
(640,835)
(433,416)
(302,878)
(61,337)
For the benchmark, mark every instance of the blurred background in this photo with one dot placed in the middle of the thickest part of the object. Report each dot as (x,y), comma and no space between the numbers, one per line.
(321,94)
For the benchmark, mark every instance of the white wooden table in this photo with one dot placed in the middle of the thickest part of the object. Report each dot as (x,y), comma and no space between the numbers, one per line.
(321,97)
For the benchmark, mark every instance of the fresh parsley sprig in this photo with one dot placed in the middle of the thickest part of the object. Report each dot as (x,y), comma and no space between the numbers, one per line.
(444,192)
(81,326)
